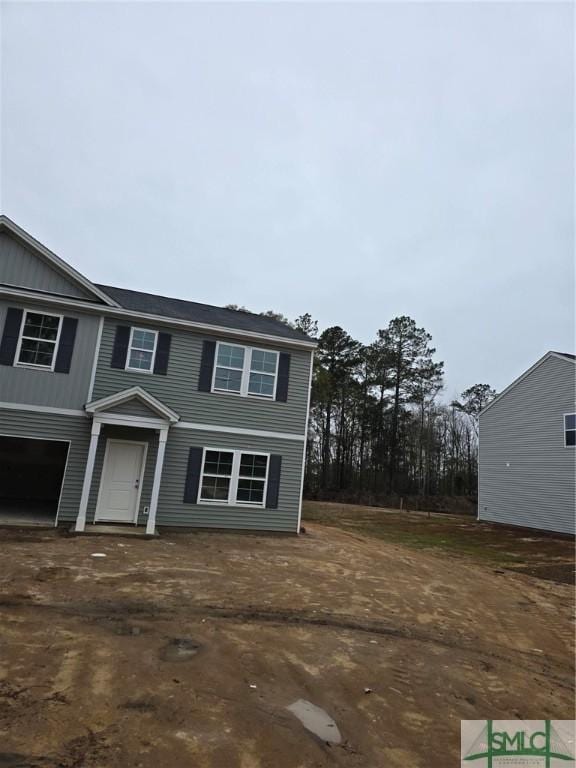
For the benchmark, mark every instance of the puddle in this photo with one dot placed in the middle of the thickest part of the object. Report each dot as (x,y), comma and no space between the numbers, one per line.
(179,649)
(316,720)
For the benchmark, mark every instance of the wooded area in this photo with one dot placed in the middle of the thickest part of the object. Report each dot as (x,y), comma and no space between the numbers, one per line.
(379,429)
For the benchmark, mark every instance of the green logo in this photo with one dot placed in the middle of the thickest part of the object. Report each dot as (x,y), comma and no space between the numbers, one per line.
(546,744)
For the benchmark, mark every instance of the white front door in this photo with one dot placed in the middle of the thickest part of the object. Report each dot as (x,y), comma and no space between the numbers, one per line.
(121,481)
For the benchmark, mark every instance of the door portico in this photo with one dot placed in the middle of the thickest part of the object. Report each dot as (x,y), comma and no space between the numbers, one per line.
(120,483)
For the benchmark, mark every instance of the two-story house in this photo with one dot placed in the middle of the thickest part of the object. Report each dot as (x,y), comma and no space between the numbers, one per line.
(118,406)
(527,449)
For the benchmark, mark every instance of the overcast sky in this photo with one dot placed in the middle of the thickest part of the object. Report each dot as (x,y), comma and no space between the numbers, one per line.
(355,161)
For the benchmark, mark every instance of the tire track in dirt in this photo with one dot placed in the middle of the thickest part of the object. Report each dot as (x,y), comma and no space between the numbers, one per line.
(114,612)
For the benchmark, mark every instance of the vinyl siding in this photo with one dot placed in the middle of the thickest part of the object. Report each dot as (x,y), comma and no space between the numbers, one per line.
(57,390)
(179,388)
(174,512)
(134,408)
(525,430)
(22,268)
(54,427)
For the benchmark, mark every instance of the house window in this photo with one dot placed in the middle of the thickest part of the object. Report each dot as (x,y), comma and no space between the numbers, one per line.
(234,477)
(245,371)
(570,430)
(229,368)
(141,350)
(39,340)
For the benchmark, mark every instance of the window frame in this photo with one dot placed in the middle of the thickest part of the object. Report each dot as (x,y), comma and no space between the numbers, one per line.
(232,500)
(566,429)
(56,342)
(128,367)
(246,371)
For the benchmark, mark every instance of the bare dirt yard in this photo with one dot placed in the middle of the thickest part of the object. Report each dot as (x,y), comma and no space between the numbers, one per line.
(186,650)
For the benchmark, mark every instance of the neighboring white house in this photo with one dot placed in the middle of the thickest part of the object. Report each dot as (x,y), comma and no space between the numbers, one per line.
(527,456)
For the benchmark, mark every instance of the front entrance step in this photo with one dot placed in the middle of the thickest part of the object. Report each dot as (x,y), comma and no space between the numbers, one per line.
(101,529)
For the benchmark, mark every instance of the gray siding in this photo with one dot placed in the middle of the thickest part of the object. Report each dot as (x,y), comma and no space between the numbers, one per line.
(173,511)
(20,267)
(526,475)
(134,408)
(54,427)
(179,388)
(60,390)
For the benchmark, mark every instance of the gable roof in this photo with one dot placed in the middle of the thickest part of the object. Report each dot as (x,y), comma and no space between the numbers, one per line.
(133,393)
(559,355)
(58,264)
(126,301)
(206,314)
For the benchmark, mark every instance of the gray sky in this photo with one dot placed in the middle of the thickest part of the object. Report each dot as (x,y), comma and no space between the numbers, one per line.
(356,161)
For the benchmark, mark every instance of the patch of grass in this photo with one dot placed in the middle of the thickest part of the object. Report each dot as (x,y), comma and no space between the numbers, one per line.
(458,535)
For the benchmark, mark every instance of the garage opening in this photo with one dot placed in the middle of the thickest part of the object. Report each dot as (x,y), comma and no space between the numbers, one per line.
(31,476)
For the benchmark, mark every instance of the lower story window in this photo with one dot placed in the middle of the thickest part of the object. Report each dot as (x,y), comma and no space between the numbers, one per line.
(234,477)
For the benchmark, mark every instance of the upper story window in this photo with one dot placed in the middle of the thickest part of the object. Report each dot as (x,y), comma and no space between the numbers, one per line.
(245,371)
(570,430)
(234,477)
(141,350)
(38,340)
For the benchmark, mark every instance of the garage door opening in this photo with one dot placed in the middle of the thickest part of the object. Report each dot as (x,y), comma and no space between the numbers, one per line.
(31,476)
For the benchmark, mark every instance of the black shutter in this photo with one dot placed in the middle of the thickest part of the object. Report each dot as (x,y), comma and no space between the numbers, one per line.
(283,376)
(10,336)
(193,476)
(273,482)
(66,345)
(120,351)
(162,353)
(207,366)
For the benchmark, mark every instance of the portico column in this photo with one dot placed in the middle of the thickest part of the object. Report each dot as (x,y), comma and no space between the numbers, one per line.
(81,519)
(151,524)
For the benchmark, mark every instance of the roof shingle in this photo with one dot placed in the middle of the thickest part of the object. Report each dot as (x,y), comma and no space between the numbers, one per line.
(201,313)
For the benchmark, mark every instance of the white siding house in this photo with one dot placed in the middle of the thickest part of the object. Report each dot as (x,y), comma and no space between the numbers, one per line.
(527,456)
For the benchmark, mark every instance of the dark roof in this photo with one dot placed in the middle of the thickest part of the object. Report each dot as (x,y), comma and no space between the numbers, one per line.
(566,354)
(179,309)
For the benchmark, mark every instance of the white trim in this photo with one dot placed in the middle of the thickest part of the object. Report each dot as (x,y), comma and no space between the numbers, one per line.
(110,440)
(305,443)
(128,367)
(234,477)
(537,364)
(565,428)
(130,394)
(95,361)
(55,261)
(49,440)
(42,409)
(162,320)
(246,370)
(238,431)
(56,342)
(151,523)
(127,420)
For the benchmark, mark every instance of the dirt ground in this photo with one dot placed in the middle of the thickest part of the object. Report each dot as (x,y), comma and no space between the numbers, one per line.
(186,650)
(462,536)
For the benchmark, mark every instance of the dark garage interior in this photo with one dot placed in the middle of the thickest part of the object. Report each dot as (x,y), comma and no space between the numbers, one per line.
(31,474)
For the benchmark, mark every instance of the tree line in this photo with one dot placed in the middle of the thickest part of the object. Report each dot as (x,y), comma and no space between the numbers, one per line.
(378,428)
